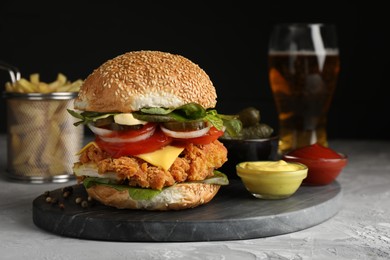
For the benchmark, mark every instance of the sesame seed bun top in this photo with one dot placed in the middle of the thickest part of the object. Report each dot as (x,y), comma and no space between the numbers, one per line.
(140,79)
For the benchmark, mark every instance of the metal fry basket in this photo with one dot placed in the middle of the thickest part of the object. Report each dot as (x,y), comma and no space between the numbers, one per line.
(42,141)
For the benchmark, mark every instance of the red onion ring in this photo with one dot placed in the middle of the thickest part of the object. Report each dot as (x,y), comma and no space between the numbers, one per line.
(185,134)
(104,133)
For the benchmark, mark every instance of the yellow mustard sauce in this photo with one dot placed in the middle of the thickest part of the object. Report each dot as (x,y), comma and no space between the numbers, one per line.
(271,179)
(274,166)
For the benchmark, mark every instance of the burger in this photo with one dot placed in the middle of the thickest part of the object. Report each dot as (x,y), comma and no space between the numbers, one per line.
(156,133)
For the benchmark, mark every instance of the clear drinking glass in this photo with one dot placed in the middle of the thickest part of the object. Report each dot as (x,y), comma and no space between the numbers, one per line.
(304,65)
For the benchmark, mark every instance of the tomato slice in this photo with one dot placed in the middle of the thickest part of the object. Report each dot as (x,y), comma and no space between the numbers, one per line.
(211,136)
(155,142)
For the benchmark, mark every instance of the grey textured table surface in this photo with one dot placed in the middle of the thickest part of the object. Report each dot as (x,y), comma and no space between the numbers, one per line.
(360,230)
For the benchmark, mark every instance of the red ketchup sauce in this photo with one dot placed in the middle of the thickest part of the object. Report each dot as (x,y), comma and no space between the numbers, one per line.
(315,151)
(324,164)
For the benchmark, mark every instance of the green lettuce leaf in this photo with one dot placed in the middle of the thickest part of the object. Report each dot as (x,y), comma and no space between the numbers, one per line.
(187,112)
(147,194)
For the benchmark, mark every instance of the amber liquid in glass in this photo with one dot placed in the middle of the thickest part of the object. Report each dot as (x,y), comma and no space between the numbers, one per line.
(303,84)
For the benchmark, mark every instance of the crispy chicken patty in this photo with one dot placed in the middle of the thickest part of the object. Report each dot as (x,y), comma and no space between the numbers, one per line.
(196,162)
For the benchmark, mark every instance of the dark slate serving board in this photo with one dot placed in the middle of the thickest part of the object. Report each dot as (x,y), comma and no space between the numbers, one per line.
(233,214)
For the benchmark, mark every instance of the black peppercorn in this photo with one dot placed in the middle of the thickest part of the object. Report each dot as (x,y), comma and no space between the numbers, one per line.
(78,200)
(84,204)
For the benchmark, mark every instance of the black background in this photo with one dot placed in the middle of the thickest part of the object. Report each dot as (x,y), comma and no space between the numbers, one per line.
(228,40)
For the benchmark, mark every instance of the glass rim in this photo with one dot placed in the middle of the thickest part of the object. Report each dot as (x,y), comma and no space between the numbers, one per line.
(306,24)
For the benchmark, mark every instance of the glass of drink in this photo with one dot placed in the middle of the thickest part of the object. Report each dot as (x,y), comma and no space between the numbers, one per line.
(304,65)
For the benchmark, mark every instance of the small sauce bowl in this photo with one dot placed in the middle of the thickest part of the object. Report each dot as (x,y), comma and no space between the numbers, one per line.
(322,171)
(324,163)
(271,179)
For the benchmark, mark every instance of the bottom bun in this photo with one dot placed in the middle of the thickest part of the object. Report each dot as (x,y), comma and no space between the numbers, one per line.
(179,196)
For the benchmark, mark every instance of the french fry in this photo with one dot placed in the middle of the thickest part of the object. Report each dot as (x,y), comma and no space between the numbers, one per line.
(9,87)
(61,78)
(22,127)
(71,86)
(30,144)
(26,86)
(34,85)
(51,143)
(43,139)
(43,88)
(34,79)
(15,142)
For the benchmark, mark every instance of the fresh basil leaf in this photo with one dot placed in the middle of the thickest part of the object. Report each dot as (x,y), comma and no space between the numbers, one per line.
(213,117)
(88,117)
(75,114)
(192,111)
(178,117)
(187,112)
(183,113)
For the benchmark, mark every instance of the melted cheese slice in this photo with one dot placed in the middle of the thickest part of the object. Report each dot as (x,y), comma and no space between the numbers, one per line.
(86,147)
(163,157)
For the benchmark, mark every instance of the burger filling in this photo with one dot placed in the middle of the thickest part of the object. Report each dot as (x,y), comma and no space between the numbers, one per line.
(153,148)
(194,163)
